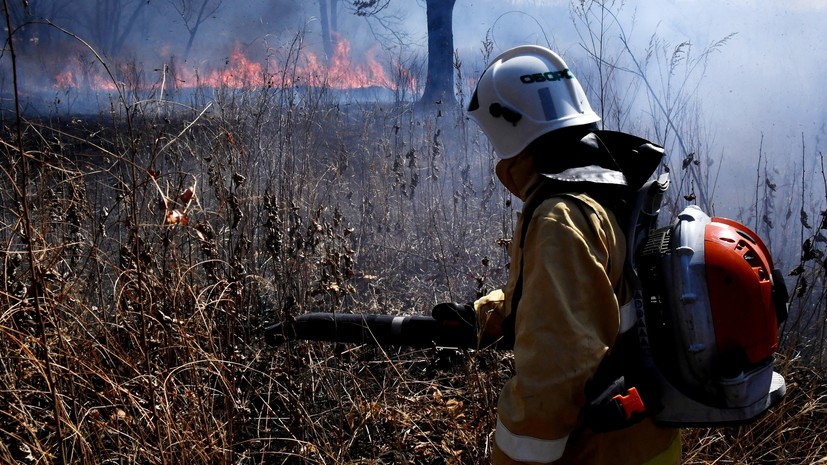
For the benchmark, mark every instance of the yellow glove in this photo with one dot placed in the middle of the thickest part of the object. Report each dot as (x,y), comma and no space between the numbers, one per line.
(490,310)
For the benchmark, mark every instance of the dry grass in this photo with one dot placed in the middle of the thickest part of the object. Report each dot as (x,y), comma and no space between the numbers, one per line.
(139,333)
(155,247)
(145,249)
(789,433)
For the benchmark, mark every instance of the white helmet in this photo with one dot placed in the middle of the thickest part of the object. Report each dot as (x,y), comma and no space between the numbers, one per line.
(524,93)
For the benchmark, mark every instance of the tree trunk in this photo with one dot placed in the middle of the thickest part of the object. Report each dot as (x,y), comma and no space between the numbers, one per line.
(326,42)
(439,82)
(330,38)
(200,18)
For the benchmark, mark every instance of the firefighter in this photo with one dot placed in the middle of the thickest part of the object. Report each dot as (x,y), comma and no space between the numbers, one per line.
(563,300)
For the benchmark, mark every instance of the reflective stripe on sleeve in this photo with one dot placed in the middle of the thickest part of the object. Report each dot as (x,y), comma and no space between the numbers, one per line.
(527,448)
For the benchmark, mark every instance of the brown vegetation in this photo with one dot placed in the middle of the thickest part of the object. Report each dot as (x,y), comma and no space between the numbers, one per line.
(145,248)
(153,249)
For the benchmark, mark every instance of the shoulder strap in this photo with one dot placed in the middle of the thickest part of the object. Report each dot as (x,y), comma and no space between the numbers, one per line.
(630,361)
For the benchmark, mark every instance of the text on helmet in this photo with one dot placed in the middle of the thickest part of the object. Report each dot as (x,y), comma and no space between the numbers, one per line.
(547,76)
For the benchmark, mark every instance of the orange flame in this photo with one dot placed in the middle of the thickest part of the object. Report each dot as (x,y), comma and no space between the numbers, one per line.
(241,72)
(75,75)
(343,74)
(341,71)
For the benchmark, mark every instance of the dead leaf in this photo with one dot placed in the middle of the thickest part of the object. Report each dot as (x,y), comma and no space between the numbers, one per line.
(176,217)
(186,196)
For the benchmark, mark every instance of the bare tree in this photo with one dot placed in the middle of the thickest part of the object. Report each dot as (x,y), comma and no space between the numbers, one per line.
(439,81)
(109,23)
(328,15)
(28,18)
(370,7)
(194,13)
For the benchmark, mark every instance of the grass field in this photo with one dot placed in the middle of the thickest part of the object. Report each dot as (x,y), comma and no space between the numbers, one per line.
(145,249)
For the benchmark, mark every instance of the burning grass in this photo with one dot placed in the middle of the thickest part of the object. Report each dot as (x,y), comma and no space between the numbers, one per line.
(154,247)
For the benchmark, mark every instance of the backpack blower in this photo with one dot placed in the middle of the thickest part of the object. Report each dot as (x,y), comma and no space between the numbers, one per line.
(709,303)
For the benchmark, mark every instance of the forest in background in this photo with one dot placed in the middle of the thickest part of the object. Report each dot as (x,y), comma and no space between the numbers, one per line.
(146,246)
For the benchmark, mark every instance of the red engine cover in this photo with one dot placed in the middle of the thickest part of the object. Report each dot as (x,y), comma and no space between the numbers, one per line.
(738,272)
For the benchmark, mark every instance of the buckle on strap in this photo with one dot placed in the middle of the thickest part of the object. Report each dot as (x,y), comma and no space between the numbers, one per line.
(630,404)
(616,408)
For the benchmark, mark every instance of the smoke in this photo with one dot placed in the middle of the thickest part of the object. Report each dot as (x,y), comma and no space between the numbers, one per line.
(761,89)
(764,82)
(61,42)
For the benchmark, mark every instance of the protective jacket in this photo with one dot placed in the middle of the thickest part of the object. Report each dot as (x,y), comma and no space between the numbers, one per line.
(568,271)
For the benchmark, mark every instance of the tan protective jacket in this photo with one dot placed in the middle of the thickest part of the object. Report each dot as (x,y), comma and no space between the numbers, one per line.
(568,320)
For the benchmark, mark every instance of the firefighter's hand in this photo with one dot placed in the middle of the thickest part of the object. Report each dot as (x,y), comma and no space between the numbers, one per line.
(455,314)
(459,324)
